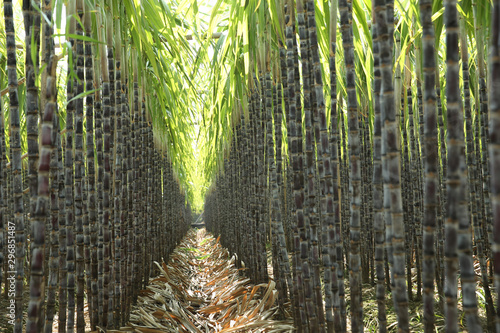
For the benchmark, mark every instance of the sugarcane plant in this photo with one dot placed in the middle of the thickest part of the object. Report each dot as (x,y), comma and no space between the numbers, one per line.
(70,258)
(403,128)
(343,137)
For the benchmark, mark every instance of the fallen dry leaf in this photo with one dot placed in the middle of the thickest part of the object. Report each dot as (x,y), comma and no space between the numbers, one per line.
(200,290)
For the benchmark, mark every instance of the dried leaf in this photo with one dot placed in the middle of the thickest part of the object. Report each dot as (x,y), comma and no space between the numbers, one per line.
(204,293)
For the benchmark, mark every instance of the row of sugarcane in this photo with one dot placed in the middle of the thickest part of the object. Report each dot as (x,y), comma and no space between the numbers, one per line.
(104,203)
(360,190)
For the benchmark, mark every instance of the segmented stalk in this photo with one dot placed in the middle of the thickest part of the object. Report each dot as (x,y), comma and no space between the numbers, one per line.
(378,208)
(15,148)
(345,8)
(391,164)
(91,226)
(494,145)
(79,170)
(456,181)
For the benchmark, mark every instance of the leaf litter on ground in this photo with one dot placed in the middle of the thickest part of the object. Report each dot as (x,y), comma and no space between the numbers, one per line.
(201,290)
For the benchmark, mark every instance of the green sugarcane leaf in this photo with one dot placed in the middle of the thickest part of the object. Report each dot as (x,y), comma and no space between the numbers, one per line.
(80,37)
(82,95)
(59,7)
